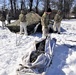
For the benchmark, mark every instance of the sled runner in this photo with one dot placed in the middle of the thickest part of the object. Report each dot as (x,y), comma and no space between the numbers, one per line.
(37,62)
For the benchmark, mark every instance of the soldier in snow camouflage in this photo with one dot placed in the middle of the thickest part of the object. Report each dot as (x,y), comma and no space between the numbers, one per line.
(57,22)
(23,23)
(45,22)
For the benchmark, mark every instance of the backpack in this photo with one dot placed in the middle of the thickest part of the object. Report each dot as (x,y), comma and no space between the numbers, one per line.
(22,18)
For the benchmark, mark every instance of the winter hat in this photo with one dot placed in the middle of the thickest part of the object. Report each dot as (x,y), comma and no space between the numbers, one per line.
(22,11)
(49,10)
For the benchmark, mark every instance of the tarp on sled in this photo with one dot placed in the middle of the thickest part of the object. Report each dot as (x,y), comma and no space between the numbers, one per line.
(37,61)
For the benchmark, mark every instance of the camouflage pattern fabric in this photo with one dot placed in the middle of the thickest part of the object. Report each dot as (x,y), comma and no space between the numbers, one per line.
(22,18)
(57,18)
(45,20)
(31,18)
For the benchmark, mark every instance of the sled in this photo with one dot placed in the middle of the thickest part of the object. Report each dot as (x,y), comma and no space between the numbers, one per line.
(39,65)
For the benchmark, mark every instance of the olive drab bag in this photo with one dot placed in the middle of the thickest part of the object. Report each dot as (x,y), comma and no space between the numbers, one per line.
(22,18)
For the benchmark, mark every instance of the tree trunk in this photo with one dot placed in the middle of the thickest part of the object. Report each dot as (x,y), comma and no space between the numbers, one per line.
(31,2)
(22,4)
(47,4)
(37,6)
(60,6)
(11,7)
(14,8)
(4,5)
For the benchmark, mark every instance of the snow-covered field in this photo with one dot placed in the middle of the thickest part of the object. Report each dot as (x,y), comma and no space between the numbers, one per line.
(64,59)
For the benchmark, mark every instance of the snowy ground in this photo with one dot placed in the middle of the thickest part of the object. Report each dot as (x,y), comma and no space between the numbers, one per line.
(64,59)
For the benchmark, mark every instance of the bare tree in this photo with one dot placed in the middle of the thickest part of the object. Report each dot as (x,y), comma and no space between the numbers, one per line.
(60,5)
(47,4)
(64,6)
(74,10)
(4,4)
(31,2)
(22,4)
(14,4)
(37,2)
(11,2)
(67,4)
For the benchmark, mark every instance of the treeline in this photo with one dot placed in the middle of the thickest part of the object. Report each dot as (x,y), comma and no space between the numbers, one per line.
(39,6)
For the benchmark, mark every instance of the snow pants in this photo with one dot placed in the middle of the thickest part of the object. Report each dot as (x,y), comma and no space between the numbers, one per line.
(44,31)
(56,26)
(3,24)
(23,26)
